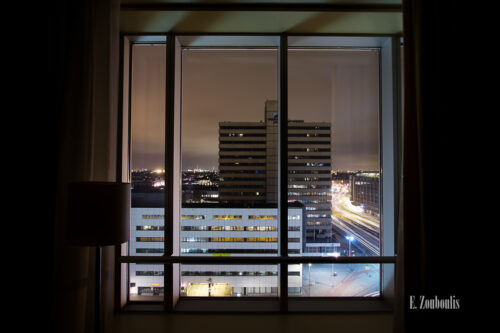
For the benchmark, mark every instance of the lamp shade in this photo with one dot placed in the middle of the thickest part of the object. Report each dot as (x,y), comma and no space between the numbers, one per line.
(98,213)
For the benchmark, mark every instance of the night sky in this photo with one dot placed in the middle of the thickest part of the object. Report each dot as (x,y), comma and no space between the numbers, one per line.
(232,85)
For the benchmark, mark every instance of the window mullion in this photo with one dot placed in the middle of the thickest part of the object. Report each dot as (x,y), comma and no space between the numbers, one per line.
(169,169)
(169,145)
(283,167)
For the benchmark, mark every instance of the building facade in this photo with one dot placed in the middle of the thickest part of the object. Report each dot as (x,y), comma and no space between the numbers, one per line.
(215,230)
(248,165)
(365,191)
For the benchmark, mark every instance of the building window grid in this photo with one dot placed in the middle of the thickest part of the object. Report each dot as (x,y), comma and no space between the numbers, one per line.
(168,259)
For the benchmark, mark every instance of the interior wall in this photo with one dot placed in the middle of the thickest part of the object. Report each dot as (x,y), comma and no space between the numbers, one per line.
(255,22)
(261,22)
(242,323)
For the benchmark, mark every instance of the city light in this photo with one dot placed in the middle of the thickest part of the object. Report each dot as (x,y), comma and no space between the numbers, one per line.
(159,183)
(350,239)
(345,219)
(227,201)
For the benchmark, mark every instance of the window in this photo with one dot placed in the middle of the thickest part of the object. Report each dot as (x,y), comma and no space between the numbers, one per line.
(214,122)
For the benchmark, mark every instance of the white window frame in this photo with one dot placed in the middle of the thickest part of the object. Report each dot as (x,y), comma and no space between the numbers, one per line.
(390,111)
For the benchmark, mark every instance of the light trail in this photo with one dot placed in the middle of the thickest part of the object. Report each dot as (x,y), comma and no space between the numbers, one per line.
(348,230)
(346,217)
(346,207)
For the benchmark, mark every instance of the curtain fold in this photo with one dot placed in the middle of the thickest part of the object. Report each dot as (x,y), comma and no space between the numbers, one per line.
(89,51)
(411,276)
(439,99)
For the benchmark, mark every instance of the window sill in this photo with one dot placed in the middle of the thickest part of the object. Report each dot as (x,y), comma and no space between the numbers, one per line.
(347,304)
(268,305)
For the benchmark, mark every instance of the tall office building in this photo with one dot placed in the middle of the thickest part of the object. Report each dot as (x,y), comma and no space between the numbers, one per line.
(248,165)
(242,162)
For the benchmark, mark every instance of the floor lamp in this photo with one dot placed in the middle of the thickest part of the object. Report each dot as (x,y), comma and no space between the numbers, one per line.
(98,215)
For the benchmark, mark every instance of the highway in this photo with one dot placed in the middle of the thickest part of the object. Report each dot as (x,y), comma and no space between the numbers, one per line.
(350,220)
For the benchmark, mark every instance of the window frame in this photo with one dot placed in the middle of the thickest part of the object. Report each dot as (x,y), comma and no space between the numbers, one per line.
(390,111)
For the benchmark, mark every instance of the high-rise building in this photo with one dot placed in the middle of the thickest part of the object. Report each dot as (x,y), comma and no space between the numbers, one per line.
(248,164)
(242,162)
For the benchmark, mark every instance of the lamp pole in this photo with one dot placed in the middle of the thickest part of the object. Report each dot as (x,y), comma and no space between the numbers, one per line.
(350,239)
(98,288)
(98,215)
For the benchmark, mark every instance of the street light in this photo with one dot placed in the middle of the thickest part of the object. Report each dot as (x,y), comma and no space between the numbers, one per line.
(350,239)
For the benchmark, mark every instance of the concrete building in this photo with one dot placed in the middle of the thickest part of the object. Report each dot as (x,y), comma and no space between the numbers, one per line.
(213,229)
(242,163)
(365,191)
(248,164)
(146,239)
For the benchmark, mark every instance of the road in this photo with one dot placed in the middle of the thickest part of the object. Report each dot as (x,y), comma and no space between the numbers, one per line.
(350,280)
(350,220)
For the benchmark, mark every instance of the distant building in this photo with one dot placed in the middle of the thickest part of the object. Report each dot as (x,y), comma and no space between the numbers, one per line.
(150,181)
(248,166)
(341,177)
(199,186)
(365,191)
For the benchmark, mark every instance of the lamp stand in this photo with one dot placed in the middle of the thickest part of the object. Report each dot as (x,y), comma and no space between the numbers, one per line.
(98,215)
(98,286)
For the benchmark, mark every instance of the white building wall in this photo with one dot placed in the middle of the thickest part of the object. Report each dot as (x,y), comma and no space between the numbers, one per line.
(145,217)
(151,218)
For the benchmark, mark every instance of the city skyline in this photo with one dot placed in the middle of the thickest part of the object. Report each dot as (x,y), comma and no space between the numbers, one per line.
(316,79)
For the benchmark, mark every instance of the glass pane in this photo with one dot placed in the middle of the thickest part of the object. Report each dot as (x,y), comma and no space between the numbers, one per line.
(228,153)
(229,166)
(146,282)
(229,280)
(337,280)
(147,121)
(333,147)
(147,149)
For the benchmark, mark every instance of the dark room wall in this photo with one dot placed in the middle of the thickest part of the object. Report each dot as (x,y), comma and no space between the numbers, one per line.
(253,323)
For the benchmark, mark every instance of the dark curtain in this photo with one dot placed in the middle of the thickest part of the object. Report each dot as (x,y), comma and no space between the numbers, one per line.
(440,101)
(88,87)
